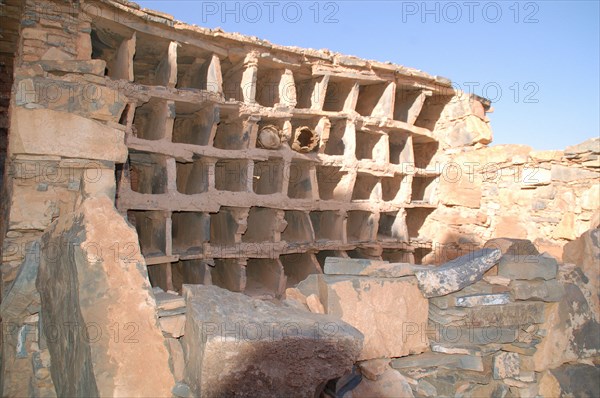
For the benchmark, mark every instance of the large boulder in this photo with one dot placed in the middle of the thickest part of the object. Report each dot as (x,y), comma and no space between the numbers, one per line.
(239,346)
(390,312)
(97,308)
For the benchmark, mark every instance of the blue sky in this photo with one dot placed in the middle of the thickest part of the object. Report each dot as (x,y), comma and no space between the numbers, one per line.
(538,61)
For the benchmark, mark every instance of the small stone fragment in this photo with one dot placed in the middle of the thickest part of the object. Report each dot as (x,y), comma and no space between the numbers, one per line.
(373,368)
(506,365)
(314,304)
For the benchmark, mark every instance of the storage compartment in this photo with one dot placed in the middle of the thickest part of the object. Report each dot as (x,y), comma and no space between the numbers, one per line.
(301,180)
(226,226)
(264,278)
(327,225)
(336,143)
(408,104)
(392,227)
(231,175)
(195,272)
(299,228)
(268,176)
(432,110)
(148,173)
(400,150)
(151,230)
(198,69)
(194,124)
(366,187)
(263,225)
(360,227)
(298,267)
(374,100)
(267,85)
(114,44)
(155,60)
(338,97)
(422,189)
(392,189)
(334,184)
(424,153)
(191,230)
(415,219)
(232,132)
(192,178)
(153,120)
(229,273)
(370,146)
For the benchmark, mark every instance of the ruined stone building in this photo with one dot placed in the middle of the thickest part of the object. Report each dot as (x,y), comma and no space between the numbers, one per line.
(152,169)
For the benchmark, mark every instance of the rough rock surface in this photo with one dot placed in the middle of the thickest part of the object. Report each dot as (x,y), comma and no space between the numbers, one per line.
(571,380)
(456,274)
(85,287)
(239,346)
(390,384)
(513,266)
(367,304)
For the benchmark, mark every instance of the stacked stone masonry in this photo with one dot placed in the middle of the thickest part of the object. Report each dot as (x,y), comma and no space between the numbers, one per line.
(245,165)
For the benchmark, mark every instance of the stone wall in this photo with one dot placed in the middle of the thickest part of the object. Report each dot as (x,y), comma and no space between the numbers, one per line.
(548,197)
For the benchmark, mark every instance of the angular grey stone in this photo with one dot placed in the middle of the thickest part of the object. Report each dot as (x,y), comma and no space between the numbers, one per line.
(456,274)
(348,266)
(473,335)
(591,145)
(549,291)
(520,247)
(474,300)
(578,380)
(439,360)
(528,267)
(393,270)
(244,347)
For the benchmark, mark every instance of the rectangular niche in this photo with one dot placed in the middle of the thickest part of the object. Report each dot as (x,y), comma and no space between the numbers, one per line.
(334,184)
(197,68)
(400,151)
(155,60)
(392,227)
(327,225)
(422,189)
(263,225)
(373,100)
(415,218)
(397,256)
(339,95)
(151,230)
(392,189)
(195,272)
(267,85)
(147,173)
(114,44)
(264,277)
(407,104)
(360,226)
(308,90)
(232,71)
(301,180)
(424,153)
(231,175)
(232,132)
(336,144)
(192,177)
(299,266)
(421,254)
(268,176)
(191,230)
(365,187)
(152,120)
(229,273)
(161,275)
(323,254)
(299,228)
(370,146)
(194,123)
(224,227)
(432,110)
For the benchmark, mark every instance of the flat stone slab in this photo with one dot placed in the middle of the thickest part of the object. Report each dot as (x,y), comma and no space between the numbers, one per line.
(456,274)
(390,312)
(243,347)
(520,267)
(549,291)
(348,266)
(475,300)
(436,359)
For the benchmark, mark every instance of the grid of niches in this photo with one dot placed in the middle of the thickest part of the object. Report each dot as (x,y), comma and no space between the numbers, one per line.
(210,206)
